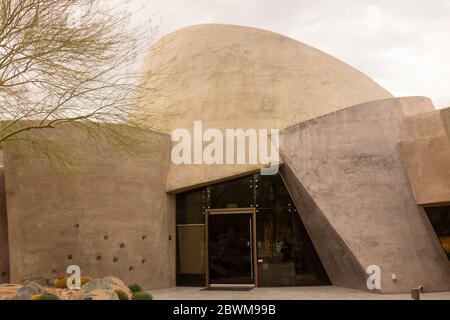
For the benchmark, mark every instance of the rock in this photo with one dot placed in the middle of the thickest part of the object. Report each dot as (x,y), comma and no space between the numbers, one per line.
(105,287)
(50,282)
(100,294)
(29,289)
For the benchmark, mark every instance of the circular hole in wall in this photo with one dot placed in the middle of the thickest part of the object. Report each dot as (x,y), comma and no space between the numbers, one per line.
(99,258)
(122,245)
(106,237)
(131,268)
(115,259)
(143,261)
(144,237)
(76,225)
(4,273)
(69,257)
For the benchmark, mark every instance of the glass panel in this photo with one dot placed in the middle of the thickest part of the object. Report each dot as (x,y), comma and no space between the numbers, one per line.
(440,220)
(233,194)
(271,192)
(191,262)
(191,206)
(230,250)
(288,257)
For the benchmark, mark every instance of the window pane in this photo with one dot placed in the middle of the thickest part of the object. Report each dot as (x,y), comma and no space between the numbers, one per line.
(191,255)
(288,256)
(440,220)
(191,206)
(233,194)
(271,192)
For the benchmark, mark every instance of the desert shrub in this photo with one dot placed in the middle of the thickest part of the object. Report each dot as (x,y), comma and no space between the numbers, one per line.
(61,282)
(48,296)
(85,280)
(122,295)
(141,295)
(134,287)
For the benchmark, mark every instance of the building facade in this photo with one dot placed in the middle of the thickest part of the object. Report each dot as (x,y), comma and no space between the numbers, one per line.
(364,179)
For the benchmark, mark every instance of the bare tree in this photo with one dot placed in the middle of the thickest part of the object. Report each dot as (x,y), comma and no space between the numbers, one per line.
(68,62)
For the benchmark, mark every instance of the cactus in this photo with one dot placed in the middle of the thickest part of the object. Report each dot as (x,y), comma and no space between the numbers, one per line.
(141,295)
(48,296)
(122,295)
(134,287)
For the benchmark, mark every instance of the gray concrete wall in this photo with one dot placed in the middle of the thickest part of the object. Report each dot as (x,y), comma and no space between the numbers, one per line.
(4,248)
(110,214)
(348,163)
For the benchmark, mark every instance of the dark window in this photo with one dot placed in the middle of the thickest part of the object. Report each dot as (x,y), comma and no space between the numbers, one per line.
(285,254)
(191,207)
(232,194)
(440,220)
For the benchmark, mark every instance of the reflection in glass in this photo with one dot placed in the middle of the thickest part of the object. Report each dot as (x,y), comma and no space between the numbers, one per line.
(440,220)
(191,262)
(285,254)
(230,251)
(232,194)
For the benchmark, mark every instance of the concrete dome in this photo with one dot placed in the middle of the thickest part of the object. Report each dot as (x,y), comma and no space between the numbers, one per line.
(239,77)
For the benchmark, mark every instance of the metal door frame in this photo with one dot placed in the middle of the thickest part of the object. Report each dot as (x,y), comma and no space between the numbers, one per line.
(254,266)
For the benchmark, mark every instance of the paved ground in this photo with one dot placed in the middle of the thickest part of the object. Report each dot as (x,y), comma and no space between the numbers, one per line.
(301,293)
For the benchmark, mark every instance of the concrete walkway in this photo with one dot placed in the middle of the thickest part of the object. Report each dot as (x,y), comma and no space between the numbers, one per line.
(290,293)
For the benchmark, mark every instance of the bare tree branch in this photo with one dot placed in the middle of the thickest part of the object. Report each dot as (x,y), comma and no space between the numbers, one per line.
(69,62)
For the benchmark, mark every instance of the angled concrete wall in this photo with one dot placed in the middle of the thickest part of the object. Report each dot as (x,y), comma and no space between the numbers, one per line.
(347,166)
(110,215)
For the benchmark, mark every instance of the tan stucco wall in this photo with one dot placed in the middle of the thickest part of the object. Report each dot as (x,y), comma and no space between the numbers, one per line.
(240,77)
(106,201)
(347,169)
(427,157)
(4,248)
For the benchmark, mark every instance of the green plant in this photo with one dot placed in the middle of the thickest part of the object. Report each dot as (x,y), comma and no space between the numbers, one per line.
(85,280)
(61,282)
(141,295)
(122,295)
(48,296)
(134,287)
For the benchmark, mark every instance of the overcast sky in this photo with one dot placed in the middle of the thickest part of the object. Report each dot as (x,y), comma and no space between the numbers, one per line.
(402,44)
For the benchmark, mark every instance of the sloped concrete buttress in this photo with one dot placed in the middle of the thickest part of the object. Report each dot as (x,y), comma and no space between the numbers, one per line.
(346,169)
(341,266)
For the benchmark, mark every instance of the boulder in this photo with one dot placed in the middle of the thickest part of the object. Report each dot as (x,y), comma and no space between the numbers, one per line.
(100,294)
(106,287)
(29,289)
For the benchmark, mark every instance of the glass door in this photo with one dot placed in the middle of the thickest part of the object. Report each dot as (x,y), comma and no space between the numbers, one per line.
(230,248)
